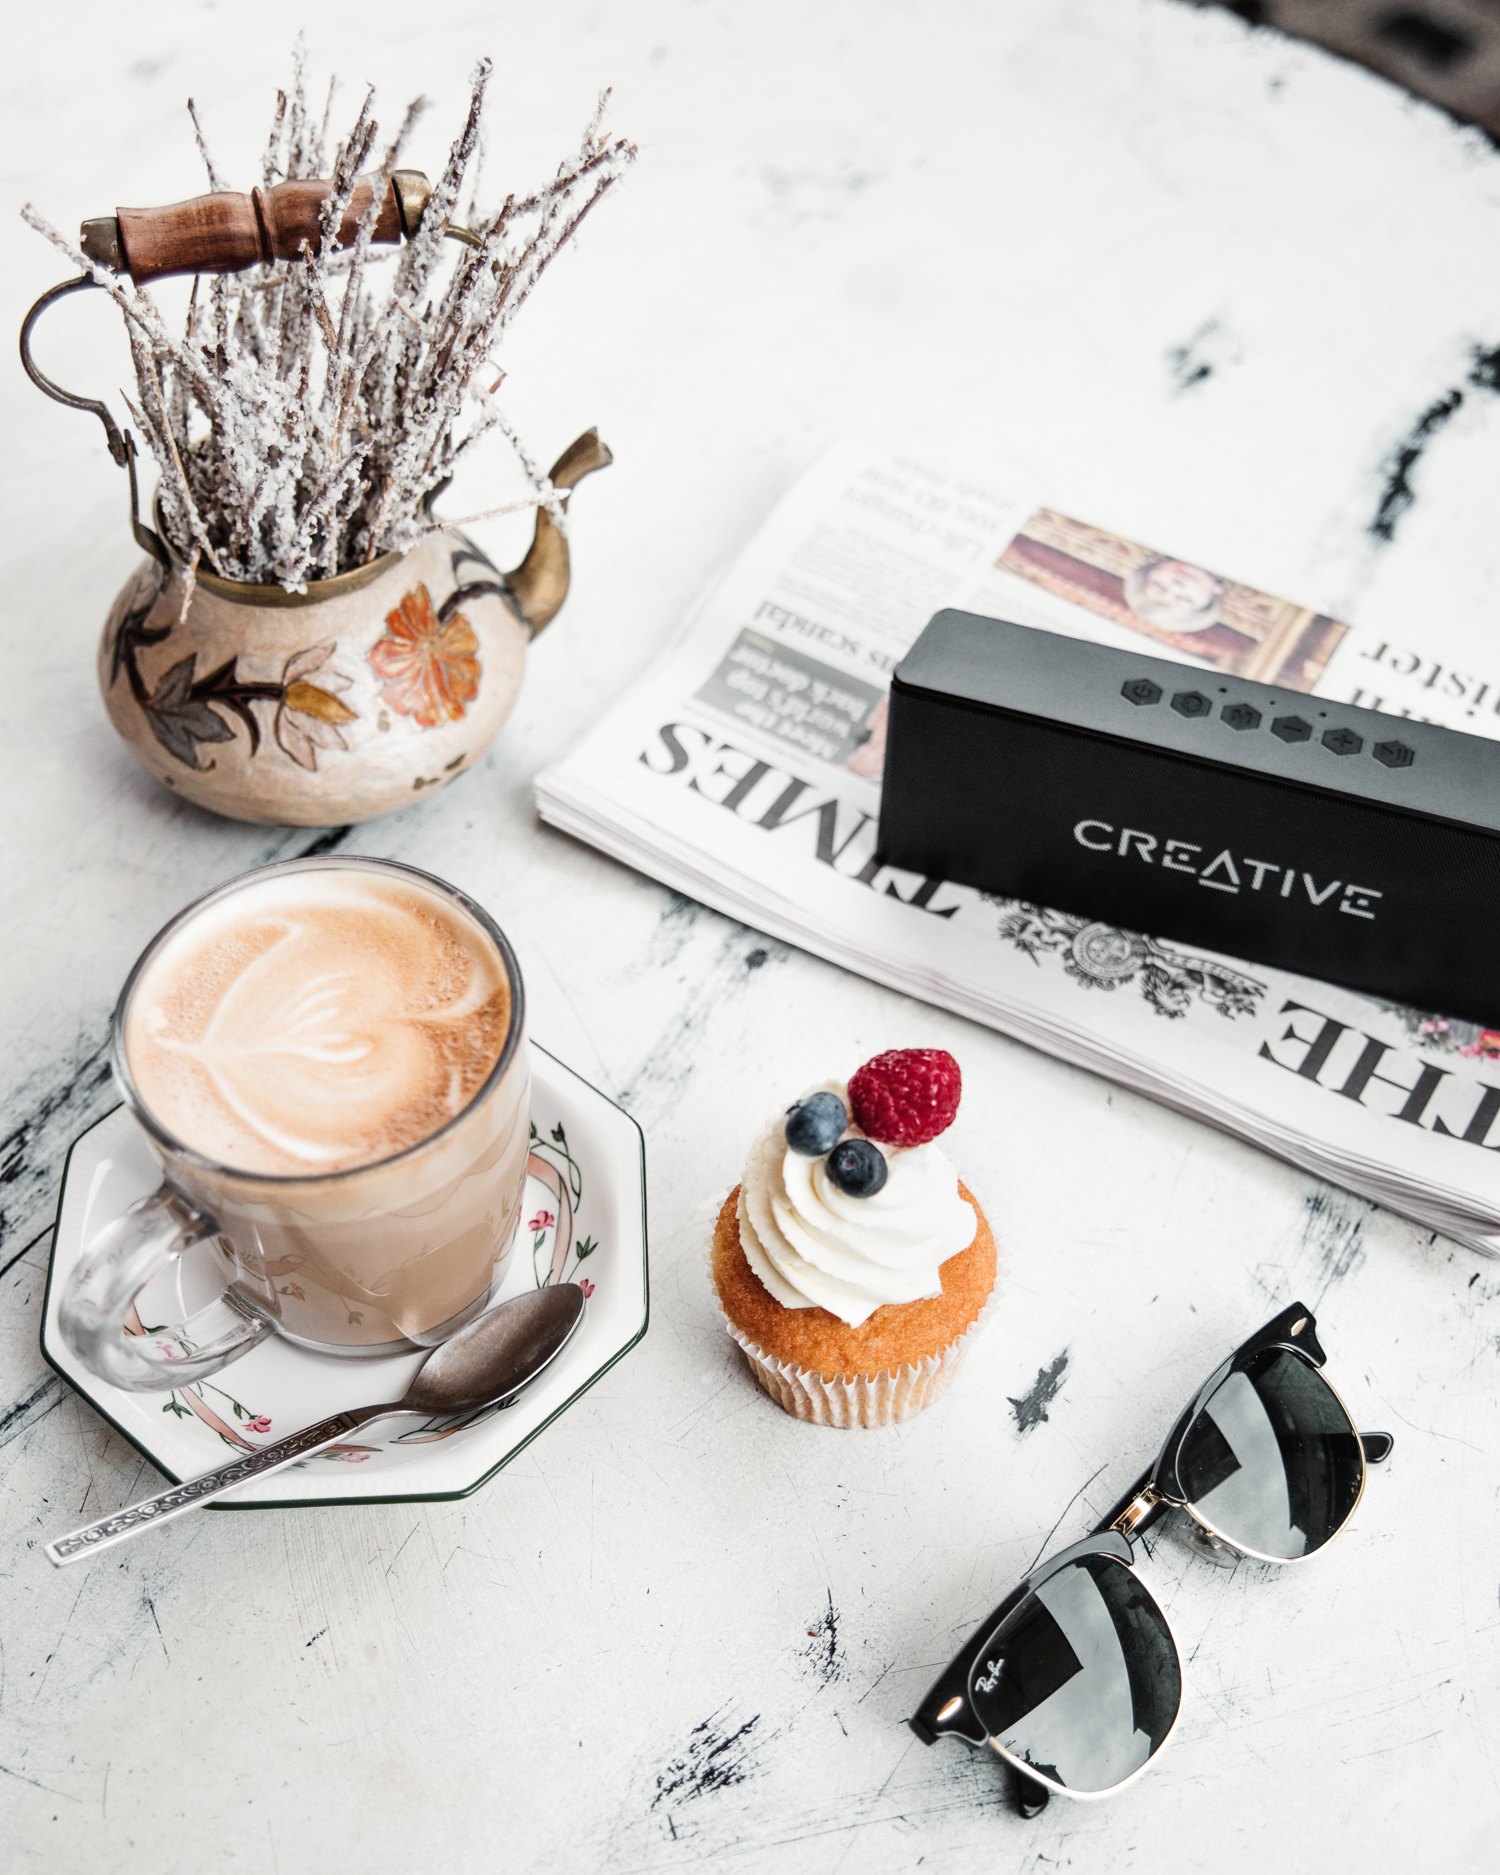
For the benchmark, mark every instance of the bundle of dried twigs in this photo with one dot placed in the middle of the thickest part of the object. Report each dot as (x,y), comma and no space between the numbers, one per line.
(303,419)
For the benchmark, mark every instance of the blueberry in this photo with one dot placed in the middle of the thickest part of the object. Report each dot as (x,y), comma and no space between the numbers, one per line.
(815,1125)
(857,1167)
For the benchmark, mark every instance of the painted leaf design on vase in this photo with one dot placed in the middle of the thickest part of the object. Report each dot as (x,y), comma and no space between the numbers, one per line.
(309,715)
(426,662)
(181,719)
(185,711)
(134,634)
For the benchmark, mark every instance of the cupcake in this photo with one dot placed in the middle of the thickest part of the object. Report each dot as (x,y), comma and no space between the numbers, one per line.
(850,1262)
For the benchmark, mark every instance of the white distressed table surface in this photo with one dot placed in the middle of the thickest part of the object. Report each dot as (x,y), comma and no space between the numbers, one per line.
(1207,282)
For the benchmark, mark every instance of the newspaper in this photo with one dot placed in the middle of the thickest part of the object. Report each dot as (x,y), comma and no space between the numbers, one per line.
(745,772)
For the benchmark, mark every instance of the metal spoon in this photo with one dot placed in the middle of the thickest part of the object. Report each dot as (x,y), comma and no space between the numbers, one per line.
(493,1357)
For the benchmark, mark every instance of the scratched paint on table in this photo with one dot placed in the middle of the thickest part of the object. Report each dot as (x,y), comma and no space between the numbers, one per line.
(822,1651)
(717,1755)
(1031,1409)
(1333,1234)
(1398,492)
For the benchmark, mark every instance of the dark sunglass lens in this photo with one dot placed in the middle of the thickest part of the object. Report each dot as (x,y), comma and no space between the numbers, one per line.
(1272,1462)
(1081,1681)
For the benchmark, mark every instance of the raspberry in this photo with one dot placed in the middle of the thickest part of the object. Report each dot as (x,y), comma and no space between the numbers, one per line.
(906,1096)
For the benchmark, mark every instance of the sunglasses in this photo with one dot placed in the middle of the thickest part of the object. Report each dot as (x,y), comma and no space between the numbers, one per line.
(1075,1678)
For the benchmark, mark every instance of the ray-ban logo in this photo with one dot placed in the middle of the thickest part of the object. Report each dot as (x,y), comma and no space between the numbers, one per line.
(1226,871)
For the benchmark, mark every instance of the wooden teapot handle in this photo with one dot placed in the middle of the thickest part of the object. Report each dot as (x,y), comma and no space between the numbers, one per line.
(224,232)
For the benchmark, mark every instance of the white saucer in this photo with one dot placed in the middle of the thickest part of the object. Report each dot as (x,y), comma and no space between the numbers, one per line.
(585,1197)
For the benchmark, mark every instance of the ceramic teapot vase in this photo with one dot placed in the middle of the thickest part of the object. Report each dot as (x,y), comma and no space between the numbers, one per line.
(332,705)
(343,701)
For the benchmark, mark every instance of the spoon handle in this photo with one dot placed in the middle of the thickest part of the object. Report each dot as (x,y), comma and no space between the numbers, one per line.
(108,1531)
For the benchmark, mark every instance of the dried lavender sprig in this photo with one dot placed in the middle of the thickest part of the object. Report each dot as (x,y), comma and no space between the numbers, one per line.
(537,253)
(316,456)
(269,167)
(352,367)
(215,181)
(550,498)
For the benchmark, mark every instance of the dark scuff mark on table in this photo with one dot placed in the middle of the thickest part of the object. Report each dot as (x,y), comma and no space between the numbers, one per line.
(44,1235)
(1333,1231)
(151,1609)
(714,1760)
(936,1788)
(1211,348)
(21,1415)
(742,955)
(324,843)
(822,1652)
(679,918)
(1031,1409)
(56,1106)
(1397,494)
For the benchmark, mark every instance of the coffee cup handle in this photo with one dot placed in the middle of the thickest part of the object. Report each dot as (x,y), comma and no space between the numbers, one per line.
(97,1311)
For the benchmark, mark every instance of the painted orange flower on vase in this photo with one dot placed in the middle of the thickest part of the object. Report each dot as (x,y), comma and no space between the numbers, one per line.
(426,660)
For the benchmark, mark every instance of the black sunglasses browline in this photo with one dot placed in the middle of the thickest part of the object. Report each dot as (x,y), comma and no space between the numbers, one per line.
(1075,1679)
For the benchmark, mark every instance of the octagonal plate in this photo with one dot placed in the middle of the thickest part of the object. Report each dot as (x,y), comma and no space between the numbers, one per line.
(584,1220)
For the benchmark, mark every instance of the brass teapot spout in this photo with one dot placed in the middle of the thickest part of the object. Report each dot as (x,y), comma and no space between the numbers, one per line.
(539,584)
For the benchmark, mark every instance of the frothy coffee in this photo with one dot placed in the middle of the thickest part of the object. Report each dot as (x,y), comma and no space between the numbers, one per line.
(316,1021)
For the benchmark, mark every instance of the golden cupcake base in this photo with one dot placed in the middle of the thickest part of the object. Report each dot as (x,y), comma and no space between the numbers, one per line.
(821,1370)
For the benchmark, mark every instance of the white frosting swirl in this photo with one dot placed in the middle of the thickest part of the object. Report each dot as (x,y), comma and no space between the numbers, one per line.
(814,1246)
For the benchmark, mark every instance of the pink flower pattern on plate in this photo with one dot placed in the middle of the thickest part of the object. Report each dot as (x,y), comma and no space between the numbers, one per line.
(259,1424)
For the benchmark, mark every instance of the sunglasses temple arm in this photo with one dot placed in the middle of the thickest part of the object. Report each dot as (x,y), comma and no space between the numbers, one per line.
(1136,1511)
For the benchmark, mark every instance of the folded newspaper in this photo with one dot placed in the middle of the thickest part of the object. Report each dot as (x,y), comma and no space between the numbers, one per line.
(745,772)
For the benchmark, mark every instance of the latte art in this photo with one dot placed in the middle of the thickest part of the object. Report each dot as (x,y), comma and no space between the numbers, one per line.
(317,1021)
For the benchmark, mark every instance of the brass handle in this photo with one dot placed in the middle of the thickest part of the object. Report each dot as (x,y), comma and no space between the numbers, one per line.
(121,443)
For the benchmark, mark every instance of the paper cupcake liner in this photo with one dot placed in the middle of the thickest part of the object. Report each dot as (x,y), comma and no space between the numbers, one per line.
(865,1400)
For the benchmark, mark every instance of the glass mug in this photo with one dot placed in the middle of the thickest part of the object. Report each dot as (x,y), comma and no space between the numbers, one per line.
(362,1262)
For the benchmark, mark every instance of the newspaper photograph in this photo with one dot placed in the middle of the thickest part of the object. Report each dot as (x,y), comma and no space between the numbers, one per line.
(745,772)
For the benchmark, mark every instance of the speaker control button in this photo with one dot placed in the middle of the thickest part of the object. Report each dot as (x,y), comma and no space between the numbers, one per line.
(1240,716)
(1394,754)
(1343,741)
(1291,729)
(1191,703)
(1140,690)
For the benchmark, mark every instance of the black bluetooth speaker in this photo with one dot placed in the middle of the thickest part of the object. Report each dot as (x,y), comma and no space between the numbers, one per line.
(1278,827)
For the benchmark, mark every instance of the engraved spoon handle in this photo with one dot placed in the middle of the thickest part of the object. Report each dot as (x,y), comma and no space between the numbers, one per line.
(126,1523)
